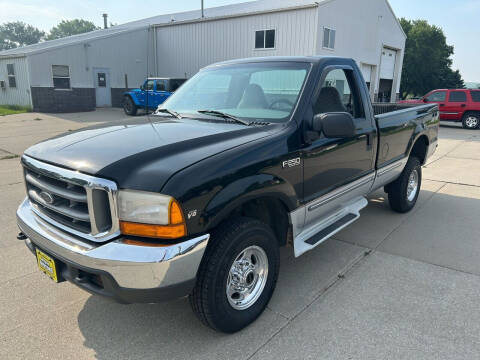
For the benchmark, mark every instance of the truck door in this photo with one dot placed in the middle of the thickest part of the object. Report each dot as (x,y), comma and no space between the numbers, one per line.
(150,93)
(437,97)
(331,164)
(146,88)
(161,93)
(455,106)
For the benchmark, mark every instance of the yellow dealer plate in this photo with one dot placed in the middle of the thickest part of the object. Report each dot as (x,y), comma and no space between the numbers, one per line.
(47,265)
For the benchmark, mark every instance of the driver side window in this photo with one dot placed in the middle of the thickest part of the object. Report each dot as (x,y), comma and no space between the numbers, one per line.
(149,85)
(338,94)
(437,96)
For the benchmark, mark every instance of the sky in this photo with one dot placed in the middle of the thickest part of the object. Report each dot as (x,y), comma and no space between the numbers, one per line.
(458,18)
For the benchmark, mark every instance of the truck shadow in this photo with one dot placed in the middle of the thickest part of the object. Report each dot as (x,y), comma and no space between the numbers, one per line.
(171,330)
(432,234)
(163,331)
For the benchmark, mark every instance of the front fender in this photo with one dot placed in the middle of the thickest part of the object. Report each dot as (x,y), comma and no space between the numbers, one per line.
(133,96)
(240,191)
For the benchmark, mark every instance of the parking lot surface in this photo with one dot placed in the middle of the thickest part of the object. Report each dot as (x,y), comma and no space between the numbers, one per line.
(390,286)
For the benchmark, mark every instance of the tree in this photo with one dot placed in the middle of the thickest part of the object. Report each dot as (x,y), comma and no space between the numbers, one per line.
(71,27)
(15,34)
(427,62)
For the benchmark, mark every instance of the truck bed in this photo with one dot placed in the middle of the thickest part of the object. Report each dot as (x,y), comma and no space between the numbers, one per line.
(397,124)
(384,108)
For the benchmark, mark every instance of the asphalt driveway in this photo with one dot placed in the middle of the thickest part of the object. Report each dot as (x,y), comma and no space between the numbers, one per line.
(388,287)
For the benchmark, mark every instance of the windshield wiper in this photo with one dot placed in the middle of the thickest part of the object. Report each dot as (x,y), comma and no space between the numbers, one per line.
(224,115)
(171,112)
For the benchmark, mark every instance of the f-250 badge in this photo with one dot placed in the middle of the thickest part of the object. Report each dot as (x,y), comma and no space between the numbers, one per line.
(291,163)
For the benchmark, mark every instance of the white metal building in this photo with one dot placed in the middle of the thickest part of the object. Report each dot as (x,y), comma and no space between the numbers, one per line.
(89,70)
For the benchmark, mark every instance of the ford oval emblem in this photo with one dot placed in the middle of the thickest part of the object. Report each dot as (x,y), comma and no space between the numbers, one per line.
(47,197)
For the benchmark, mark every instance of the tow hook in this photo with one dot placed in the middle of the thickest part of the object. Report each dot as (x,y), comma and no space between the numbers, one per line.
(21,236)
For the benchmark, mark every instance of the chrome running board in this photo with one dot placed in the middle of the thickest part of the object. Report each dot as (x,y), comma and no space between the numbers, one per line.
(316,234)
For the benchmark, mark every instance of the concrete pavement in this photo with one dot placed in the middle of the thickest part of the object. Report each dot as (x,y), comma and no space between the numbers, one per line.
(389,287)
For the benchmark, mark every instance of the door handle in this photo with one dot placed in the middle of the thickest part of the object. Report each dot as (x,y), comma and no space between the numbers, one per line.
(442,104)
(463,105)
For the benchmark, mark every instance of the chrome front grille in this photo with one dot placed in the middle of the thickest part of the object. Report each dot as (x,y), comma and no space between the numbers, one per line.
(80,204)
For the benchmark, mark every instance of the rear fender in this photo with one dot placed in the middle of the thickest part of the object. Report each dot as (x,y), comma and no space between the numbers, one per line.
(426,129)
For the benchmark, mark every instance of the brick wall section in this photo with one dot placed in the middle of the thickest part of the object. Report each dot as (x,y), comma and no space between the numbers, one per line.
(117,96)
(47,99)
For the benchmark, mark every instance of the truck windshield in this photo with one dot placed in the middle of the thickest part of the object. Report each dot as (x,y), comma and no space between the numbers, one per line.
(266,91)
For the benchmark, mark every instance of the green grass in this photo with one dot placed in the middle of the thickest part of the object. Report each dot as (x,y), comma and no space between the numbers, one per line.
(13,109)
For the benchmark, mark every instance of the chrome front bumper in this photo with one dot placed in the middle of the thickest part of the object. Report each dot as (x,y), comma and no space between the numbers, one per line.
(130,266)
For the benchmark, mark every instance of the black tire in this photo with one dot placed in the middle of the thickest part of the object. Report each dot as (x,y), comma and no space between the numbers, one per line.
(129,106)
(209,298)
(399,197)
(471,121)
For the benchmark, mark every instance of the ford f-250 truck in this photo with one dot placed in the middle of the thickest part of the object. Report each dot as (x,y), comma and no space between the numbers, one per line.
(247,156)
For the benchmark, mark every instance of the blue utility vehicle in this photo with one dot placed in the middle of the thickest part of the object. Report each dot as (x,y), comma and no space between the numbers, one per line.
(153,92)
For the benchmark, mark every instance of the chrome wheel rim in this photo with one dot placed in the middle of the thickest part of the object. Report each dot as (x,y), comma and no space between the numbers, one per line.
(412,186)
(472,122)
(247,277)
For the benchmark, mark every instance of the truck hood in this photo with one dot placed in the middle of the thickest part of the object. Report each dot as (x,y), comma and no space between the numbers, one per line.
(143,153)
(134,91)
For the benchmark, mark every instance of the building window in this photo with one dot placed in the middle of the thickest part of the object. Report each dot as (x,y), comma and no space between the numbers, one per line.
(265,39)
(12,82)
(61,76)
(329,38)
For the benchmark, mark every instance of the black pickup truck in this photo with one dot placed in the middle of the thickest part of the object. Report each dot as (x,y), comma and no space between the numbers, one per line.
(247,156)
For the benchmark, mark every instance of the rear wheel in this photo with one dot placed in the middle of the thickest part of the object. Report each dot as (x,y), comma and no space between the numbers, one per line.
(129,106)
(237,275)
(403,192)
(471,121)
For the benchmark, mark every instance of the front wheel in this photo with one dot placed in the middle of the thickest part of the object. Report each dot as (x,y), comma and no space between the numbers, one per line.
(403,192)
(129,106)
(471,121)
(237,275)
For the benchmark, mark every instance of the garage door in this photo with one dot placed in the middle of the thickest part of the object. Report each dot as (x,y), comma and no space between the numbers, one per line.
(387,68)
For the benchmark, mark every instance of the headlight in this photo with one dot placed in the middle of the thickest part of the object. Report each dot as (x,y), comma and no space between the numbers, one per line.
(150,215)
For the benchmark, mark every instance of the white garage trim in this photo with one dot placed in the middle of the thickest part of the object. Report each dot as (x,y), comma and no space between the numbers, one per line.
(367,70)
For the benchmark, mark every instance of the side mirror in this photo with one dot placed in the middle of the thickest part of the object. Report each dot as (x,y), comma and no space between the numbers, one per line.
(425,100)
(335,125)
(142,87)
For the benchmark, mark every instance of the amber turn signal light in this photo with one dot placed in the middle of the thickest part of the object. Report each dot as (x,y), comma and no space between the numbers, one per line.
(153,231)
(176,216)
